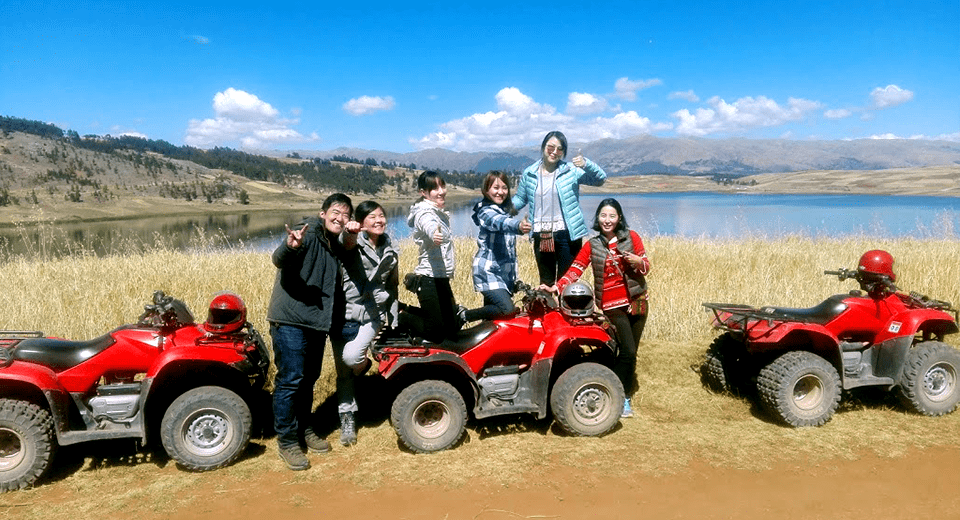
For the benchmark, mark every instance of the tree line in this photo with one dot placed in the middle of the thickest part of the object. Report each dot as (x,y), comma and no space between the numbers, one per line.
(318,174)
(341,173)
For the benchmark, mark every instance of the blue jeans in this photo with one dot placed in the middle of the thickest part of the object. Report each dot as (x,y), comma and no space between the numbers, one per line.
(497,303)
(349,353)
(298,355)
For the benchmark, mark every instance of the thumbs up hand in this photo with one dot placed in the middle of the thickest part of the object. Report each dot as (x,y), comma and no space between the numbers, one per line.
(525,226)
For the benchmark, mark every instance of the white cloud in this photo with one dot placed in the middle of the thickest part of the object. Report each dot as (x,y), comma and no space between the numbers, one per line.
(521,121)
(837,113)
(242,117)
(954,137)
(242,106)
(889,96)
(365,105)
(624,124)
(581,103)
(687,95)
(741,115)
(627,89)
(118,131)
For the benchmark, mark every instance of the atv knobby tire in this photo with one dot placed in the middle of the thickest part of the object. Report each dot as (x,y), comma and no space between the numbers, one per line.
(26,443)
(800,389)
(929,384)
(206,428)
(587,399)
(723,369)
(429,416)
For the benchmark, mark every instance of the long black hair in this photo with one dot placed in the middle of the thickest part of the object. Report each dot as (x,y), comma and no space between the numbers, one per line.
(560,137)
(613,203)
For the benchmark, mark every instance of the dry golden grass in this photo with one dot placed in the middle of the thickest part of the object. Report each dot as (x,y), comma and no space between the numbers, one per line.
(678,420)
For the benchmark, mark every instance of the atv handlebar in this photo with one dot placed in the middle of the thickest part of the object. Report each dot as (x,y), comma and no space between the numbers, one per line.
(842,273)
(535,300)
(166,311)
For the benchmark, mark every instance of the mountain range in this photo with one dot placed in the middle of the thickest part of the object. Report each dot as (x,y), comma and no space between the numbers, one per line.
(690,156)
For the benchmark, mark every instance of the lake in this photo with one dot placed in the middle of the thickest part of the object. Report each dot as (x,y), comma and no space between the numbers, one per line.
(723,215)
(713,215)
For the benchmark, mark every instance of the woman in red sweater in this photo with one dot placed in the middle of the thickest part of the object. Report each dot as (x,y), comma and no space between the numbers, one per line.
(620,266)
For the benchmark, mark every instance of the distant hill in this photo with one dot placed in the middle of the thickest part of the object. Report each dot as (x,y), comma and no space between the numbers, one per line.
(693,156)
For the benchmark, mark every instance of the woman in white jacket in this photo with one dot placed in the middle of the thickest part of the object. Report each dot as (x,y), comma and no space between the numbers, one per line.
(437,318)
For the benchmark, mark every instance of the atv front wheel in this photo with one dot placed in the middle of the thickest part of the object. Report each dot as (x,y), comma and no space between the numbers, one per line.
(800,388)
(929,384)
(429,416)
(26,443)
(587,399)
(206,428)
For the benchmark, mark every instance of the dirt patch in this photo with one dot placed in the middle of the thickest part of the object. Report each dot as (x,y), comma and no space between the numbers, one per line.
(920,484)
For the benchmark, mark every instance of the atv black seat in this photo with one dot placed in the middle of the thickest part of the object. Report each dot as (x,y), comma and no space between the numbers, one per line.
(822,313)
(468,338)
(60,354)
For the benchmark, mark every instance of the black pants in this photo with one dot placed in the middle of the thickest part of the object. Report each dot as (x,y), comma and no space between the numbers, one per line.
(436,319)
(553,265)
(629,328)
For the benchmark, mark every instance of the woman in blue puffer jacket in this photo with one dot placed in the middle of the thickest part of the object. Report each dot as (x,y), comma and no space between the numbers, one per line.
(551,186)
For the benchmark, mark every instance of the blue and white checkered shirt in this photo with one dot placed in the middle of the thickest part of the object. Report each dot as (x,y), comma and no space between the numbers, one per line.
(495,266)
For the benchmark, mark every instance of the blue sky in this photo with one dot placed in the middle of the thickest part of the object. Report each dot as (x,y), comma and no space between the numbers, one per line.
(471,76)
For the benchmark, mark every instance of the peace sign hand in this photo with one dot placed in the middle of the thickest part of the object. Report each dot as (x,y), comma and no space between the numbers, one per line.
(295,237)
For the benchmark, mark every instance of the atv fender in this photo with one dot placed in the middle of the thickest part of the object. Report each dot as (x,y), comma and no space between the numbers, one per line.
(795,336)
(39,376)
(443,357)
(193,356)
(557,340)
(909,323)
(426,367)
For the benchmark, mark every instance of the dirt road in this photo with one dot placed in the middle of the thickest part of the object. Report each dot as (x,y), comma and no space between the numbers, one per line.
(922,484)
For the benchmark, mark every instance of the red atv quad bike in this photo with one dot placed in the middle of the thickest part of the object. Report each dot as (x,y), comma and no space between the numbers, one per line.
(801,359)
(542,355)
(193,384)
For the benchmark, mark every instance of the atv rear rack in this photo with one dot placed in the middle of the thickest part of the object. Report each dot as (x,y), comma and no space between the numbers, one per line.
(739,316)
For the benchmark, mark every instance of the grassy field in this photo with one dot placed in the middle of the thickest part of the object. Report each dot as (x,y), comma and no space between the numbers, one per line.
(678,421)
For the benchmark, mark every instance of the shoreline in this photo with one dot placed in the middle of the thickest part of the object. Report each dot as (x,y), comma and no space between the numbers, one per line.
(940,181)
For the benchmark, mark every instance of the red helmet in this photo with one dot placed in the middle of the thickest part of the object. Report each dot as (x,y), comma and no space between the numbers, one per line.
(227,314)
(877,262)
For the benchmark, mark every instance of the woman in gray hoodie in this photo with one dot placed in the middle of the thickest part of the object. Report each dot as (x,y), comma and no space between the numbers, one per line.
(370,282)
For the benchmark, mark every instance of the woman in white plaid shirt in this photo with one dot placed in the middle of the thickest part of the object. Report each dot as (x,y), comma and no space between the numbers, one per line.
(495,266)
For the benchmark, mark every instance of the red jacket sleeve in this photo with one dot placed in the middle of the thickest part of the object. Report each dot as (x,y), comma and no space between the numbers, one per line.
(576,268)
(644,266)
